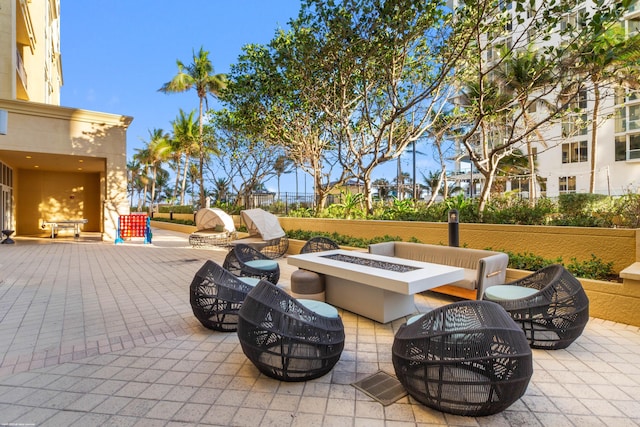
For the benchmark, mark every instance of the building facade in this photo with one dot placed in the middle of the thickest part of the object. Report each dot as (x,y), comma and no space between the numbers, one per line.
(564,156)
(57,163)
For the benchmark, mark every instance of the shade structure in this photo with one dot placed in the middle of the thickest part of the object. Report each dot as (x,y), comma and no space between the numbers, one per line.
(555,316)
(214,228)
(262,223)
(272,240)
(210,218)
(284,338)
(467,358)
(216,295)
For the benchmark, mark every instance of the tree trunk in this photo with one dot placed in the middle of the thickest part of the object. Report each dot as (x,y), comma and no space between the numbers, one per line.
(532,176)
(201,153)
(594,135)
(184,180)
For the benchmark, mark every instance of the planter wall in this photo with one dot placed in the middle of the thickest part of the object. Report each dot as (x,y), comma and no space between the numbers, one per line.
(617,245)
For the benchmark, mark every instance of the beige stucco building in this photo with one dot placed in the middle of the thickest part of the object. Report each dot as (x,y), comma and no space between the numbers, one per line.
(56,163)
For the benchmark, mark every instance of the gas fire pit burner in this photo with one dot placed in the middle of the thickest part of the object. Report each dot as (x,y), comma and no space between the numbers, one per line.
(384,265)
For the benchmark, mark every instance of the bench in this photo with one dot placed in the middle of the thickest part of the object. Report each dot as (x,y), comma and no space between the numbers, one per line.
(482,268)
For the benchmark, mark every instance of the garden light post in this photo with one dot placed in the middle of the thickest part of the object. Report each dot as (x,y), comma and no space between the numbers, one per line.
(454,234)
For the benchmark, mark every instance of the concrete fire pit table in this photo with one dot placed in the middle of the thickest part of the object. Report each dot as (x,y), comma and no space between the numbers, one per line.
(379,287)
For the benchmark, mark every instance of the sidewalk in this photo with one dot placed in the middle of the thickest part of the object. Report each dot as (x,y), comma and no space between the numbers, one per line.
(95,334)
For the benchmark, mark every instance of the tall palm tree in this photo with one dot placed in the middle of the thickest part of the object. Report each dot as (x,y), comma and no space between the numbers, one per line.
(156,150)
(134,183)
(281,166)
(198,75)
(524,74)
(611,56)
(184,143)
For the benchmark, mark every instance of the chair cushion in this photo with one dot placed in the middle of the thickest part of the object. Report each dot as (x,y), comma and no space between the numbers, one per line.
(414,318)
(319,307)
(251,281)
(263,264)
(507,292)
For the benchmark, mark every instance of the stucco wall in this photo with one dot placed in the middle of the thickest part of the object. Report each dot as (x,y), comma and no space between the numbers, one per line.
(616,245)
(47,196)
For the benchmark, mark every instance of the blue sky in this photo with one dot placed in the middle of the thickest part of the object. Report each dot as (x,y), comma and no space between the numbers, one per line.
(117,53)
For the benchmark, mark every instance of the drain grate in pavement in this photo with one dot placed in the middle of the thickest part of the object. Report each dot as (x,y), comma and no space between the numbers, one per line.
(382,387)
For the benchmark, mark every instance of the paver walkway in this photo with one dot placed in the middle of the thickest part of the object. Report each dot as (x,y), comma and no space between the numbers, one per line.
(97,334)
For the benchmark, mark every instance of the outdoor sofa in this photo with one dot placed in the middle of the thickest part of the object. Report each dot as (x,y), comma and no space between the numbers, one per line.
(482,268)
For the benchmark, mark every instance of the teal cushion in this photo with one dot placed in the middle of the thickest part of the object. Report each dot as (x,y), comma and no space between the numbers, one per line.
(263,264)
(508,292)
(319,307)
(414,318)
(251,281)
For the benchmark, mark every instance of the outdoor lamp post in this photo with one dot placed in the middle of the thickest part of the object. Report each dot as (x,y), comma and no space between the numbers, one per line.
(454,234)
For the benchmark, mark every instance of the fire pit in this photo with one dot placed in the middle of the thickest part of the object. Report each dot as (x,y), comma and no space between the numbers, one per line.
(375,286)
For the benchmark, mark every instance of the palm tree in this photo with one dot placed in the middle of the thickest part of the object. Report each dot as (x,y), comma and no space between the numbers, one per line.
(522,74)
(281,166)
(134,181)
(610,57)
(184,143)
(152,155)
(221,190)
(384,188)
(199,76)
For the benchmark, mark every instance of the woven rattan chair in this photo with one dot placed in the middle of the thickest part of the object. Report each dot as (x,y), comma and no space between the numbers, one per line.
(289,339)
(466,358)
(275,248)
(318,244)
(550,305)
(243,260)
(216,296)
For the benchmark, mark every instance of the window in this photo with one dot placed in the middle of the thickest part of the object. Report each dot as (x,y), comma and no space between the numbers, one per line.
(621,148)
(574,152)
(634,146)
(574,20)
(567,184)
(634,117)
(575,123)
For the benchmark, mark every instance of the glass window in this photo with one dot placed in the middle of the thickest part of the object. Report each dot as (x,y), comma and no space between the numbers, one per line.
(567,184)
(634,146)
(634,117)
(621,148)
(574,152)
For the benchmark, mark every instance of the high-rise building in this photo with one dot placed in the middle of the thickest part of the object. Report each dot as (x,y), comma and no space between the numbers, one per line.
(565,159)
(57,163)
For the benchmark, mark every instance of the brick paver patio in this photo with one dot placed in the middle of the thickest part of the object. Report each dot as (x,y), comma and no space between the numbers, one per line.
(97,334)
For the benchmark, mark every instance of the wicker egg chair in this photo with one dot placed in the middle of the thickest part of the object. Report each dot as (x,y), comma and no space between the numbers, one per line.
(553,312)
(216,295)
(289,339)
(466,358)
(243,260)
